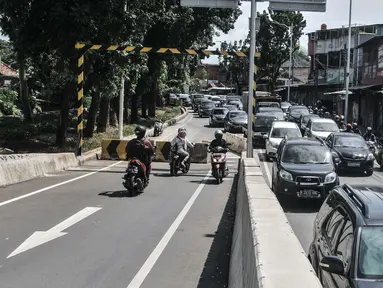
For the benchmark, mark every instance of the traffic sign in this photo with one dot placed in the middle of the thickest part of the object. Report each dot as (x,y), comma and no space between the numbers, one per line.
(298,5)
(210,3)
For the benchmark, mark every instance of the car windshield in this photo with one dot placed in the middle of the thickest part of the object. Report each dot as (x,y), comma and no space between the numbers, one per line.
(300,110)
(230,107)
(354,142)
(325,127)
(238,115)
(370,260)
(264,121)
(234,102)
(306,154)
(219,112)
(207,104)
(281,132)
(305,119)
(278,114)
(269,104)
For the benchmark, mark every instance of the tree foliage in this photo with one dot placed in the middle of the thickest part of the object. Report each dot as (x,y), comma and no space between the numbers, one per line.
(273,41)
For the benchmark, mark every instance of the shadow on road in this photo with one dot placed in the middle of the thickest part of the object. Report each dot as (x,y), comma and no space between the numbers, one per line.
(299,206)
(96,170)
(180,175)
(116,194)
(216,269)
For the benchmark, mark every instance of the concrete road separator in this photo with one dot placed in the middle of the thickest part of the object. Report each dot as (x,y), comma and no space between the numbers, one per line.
(115,149)
(265,251)
(198,153)
(153,257)
(57,185)
(237,141)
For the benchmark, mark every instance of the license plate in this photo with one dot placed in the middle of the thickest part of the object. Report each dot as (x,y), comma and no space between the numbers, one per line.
(133,170)
(353,164)
(308,194)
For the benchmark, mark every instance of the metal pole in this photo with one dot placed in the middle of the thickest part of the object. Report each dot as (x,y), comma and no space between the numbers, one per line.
(251,80)
(80,103)
(122,95)
(291,61)
(348,64)
(121,110)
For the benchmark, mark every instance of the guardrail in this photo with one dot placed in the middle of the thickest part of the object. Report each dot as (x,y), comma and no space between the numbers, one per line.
(265,251)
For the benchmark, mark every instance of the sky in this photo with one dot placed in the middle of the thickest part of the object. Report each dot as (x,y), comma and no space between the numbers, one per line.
(363,12)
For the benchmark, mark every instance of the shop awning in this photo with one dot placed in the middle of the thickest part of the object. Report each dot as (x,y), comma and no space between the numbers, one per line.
(342,92)
(364,87)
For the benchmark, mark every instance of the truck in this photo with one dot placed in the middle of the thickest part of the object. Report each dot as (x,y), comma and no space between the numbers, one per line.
(261,96)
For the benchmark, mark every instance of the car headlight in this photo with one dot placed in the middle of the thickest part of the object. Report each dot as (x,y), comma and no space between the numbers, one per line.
(370,157)
(286,175)
(330,178)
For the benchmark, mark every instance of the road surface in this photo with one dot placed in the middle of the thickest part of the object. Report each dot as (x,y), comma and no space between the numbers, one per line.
(73,229)
(302,217)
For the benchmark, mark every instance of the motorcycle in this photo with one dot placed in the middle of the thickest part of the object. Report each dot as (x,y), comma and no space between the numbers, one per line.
(175,163)
(218,163)
(377,150)
(158,128)
(134,179)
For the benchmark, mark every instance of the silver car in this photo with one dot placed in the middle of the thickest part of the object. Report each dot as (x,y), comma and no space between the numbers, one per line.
(217,117)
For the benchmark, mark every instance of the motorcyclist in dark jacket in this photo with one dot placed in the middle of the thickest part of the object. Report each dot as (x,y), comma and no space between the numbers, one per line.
(142,149)
(369,136)
(349,128)
(219,142)
(355,128)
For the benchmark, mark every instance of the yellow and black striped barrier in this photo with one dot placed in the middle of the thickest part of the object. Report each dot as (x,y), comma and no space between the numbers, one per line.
(114,149)
(257,55)
(159,50)
(80,103)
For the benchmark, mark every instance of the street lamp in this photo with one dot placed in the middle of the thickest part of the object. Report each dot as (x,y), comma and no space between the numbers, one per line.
(348,64)
(290,28)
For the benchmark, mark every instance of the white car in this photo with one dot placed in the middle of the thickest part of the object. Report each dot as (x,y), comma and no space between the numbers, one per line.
(278,131)
(321,128)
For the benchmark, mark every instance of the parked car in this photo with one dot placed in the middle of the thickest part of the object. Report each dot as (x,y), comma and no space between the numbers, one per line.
(217,116)
(295,112)
(351,152)
(303,169)
(347,247)
(235,120)
(279,130)
(205,108)
(304,119)
(321,127)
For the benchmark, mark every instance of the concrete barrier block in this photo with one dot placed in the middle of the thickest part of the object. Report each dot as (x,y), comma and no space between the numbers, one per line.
(198,154)
(250,162)
(253,171)
(35,166)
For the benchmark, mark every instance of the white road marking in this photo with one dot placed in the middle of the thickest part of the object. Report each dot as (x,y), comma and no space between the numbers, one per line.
(57,185)
(149,263)
(170,134)
(41,237)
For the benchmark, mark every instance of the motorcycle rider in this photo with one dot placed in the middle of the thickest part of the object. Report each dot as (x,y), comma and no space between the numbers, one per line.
(179,144)
(355,128)
(338,122)
(142,149)
(219,142)
(369,136)
(349,128)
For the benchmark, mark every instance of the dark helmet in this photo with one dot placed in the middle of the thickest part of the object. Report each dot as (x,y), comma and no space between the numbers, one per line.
(218,134)
(140,131)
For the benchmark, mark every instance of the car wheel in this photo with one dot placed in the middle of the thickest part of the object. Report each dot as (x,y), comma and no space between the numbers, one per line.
(370,171)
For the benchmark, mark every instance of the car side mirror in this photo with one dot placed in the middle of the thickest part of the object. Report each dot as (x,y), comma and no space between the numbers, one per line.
(335,158)
(332,264)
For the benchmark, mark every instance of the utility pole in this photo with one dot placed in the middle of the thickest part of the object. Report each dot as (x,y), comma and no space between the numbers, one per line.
(348,64)
(122,95)
(291,61)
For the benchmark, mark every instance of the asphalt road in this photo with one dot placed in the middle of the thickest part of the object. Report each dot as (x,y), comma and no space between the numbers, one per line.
(301,214)
(176,234)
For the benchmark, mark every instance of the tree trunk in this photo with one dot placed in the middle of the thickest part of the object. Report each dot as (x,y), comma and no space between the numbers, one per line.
(24,89)
(134,109)
(126,107)
(113,114)
(103,118)
(64,116)
(154,66)
(91,121)
(144,106)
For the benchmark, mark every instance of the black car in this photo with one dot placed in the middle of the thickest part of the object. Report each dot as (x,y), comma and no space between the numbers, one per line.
(205,108)
(235,120)
(347,249)
(351,152)
(304,119)
(263,122)
(272,111)
(303,168)
(295,112)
